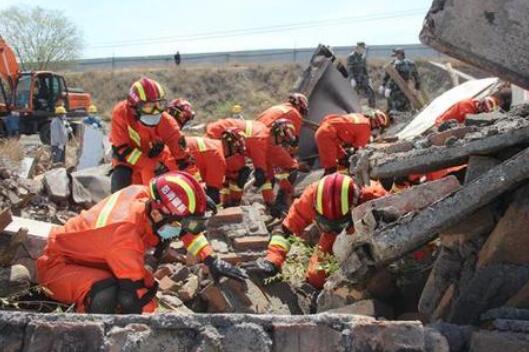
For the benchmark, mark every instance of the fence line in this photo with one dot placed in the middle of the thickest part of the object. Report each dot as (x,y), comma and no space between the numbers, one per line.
(301,56)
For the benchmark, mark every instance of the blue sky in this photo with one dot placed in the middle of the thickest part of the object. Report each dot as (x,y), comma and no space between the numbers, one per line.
(122,28)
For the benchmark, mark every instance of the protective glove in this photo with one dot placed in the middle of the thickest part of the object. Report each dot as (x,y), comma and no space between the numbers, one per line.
(242,177)
(156,149)
(218,268)
(353,83)
(160,169)
(260,178)
(381,90)
(184,163)
(387,92)
(263,268)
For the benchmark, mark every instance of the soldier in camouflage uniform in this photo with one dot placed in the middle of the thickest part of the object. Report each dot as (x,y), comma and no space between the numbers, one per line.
(357,67)
(397,100)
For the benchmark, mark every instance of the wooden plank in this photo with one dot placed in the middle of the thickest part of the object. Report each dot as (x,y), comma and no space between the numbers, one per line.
(403,85)
(456,72)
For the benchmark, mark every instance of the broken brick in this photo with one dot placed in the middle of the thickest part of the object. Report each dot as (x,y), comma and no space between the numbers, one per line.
(231,258)
(167,285)
(251,243)
(440,138)
(226,216)
(189,289)
(216,301)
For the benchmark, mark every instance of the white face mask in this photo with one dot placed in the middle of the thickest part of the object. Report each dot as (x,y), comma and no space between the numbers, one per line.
(151,120)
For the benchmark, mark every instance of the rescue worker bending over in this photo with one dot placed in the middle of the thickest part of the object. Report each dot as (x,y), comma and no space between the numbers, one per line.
(181,110)
(209,159)
(96,260)
(145,140)
(338,133)
(294,109)
(327,203)
(460,110)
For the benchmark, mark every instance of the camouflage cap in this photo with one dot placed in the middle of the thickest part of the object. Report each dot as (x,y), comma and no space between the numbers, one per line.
(361,44)
(397,51)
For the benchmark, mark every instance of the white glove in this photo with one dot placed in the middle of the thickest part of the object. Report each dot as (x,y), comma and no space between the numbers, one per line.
(353,82)
(381,90)
(387,92)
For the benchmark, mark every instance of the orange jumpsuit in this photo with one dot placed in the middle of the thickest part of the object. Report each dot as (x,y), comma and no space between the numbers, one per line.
(300,215)
(107,241)
(282,111)
(257,137)
(133,140)
(209,159)
(459,111)
(337,131)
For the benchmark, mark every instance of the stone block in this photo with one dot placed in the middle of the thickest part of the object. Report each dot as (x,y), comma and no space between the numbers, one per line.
(368,307)
(189,289)
(521,298)
(246,337)
(339,296)
(490,341)
(478,165)
(57,184)
(305,337)
(386,336)
(65,336)
(481,223)
(167,285)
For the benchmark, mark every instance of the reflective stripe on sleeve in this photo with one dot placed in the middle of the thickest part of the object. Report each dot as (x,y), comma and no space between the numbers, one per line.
(135,136)
(267,186)
(134,156)
(201,144)
(197,244)
(107,209)
(279,241)
(249,128)
(235,188)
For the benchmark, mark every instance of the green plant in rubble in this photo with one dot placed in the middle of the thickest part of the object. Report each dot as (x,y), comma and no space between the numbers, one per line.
(297,261)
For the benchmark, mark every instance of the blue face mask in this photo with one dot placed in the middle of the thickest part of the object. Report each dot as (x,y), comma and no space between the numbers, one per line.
(168,231)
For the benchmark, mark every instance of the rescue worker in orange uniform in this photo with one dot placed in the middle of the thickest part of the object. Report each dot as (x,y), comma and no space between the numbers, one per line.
(328,203)
(267,150)
(294,109)
(96,260)
(337,133)
(460,110)
(181,110)
(208,155)
(145,139)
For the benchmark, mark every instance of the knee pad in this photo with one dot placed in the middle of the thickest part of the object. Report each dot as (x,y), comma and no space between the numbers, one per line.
(102,298)
(121,177)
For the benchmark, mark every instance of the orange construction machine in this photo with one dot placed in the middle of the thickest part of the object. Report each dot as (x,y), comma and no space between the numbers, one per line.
(33,95)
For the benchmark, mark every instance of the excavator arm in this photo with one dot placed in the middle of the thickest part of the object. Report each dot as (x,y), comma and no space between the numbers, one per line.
(9,68)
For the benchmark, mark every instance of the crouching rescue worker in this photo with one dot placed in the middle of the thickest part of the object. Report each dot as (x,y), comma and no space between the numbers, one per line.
(327,203)
(460,110)
(337,134)
(145,140)
(294,109)
(96,260)
(208,155)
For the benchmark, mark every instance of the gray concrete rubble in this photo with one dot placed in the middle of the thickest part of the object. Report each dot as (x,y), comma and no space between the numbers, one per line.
(465,29)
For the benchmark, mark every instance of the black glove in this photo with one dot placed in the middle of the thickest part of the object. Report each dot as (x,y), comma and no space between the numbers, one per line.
(160,169)
(242,178)
(213,193)
(218,268)
(156,149)
(262,267)
(184,163)
(280,205)
(260,178)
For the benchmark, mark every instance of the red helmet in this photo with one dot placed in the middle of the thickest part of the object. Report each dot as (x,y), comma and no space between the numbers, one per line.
(300,102)
(181,110)
(488,104)
(234,141)
(335,196)
(379,119)
(284,133)
(147,95)
(178,194)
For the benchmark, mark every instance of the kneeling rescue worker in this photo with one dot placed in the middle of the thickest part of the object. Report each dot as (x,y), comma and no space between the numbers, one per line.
(96,260)
(337,134)
(145,139)
(327,203)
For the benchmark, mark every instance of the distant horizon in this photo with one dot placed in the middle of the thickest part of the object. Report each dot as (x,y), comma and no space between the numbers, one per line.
(112,28)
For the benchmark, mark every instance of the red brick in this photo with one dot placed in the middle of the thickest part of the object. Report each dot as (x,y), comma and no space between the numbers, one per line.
(216,301)
(5,218)
(250,243)
(226,216)
(163,270)
(231,258)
